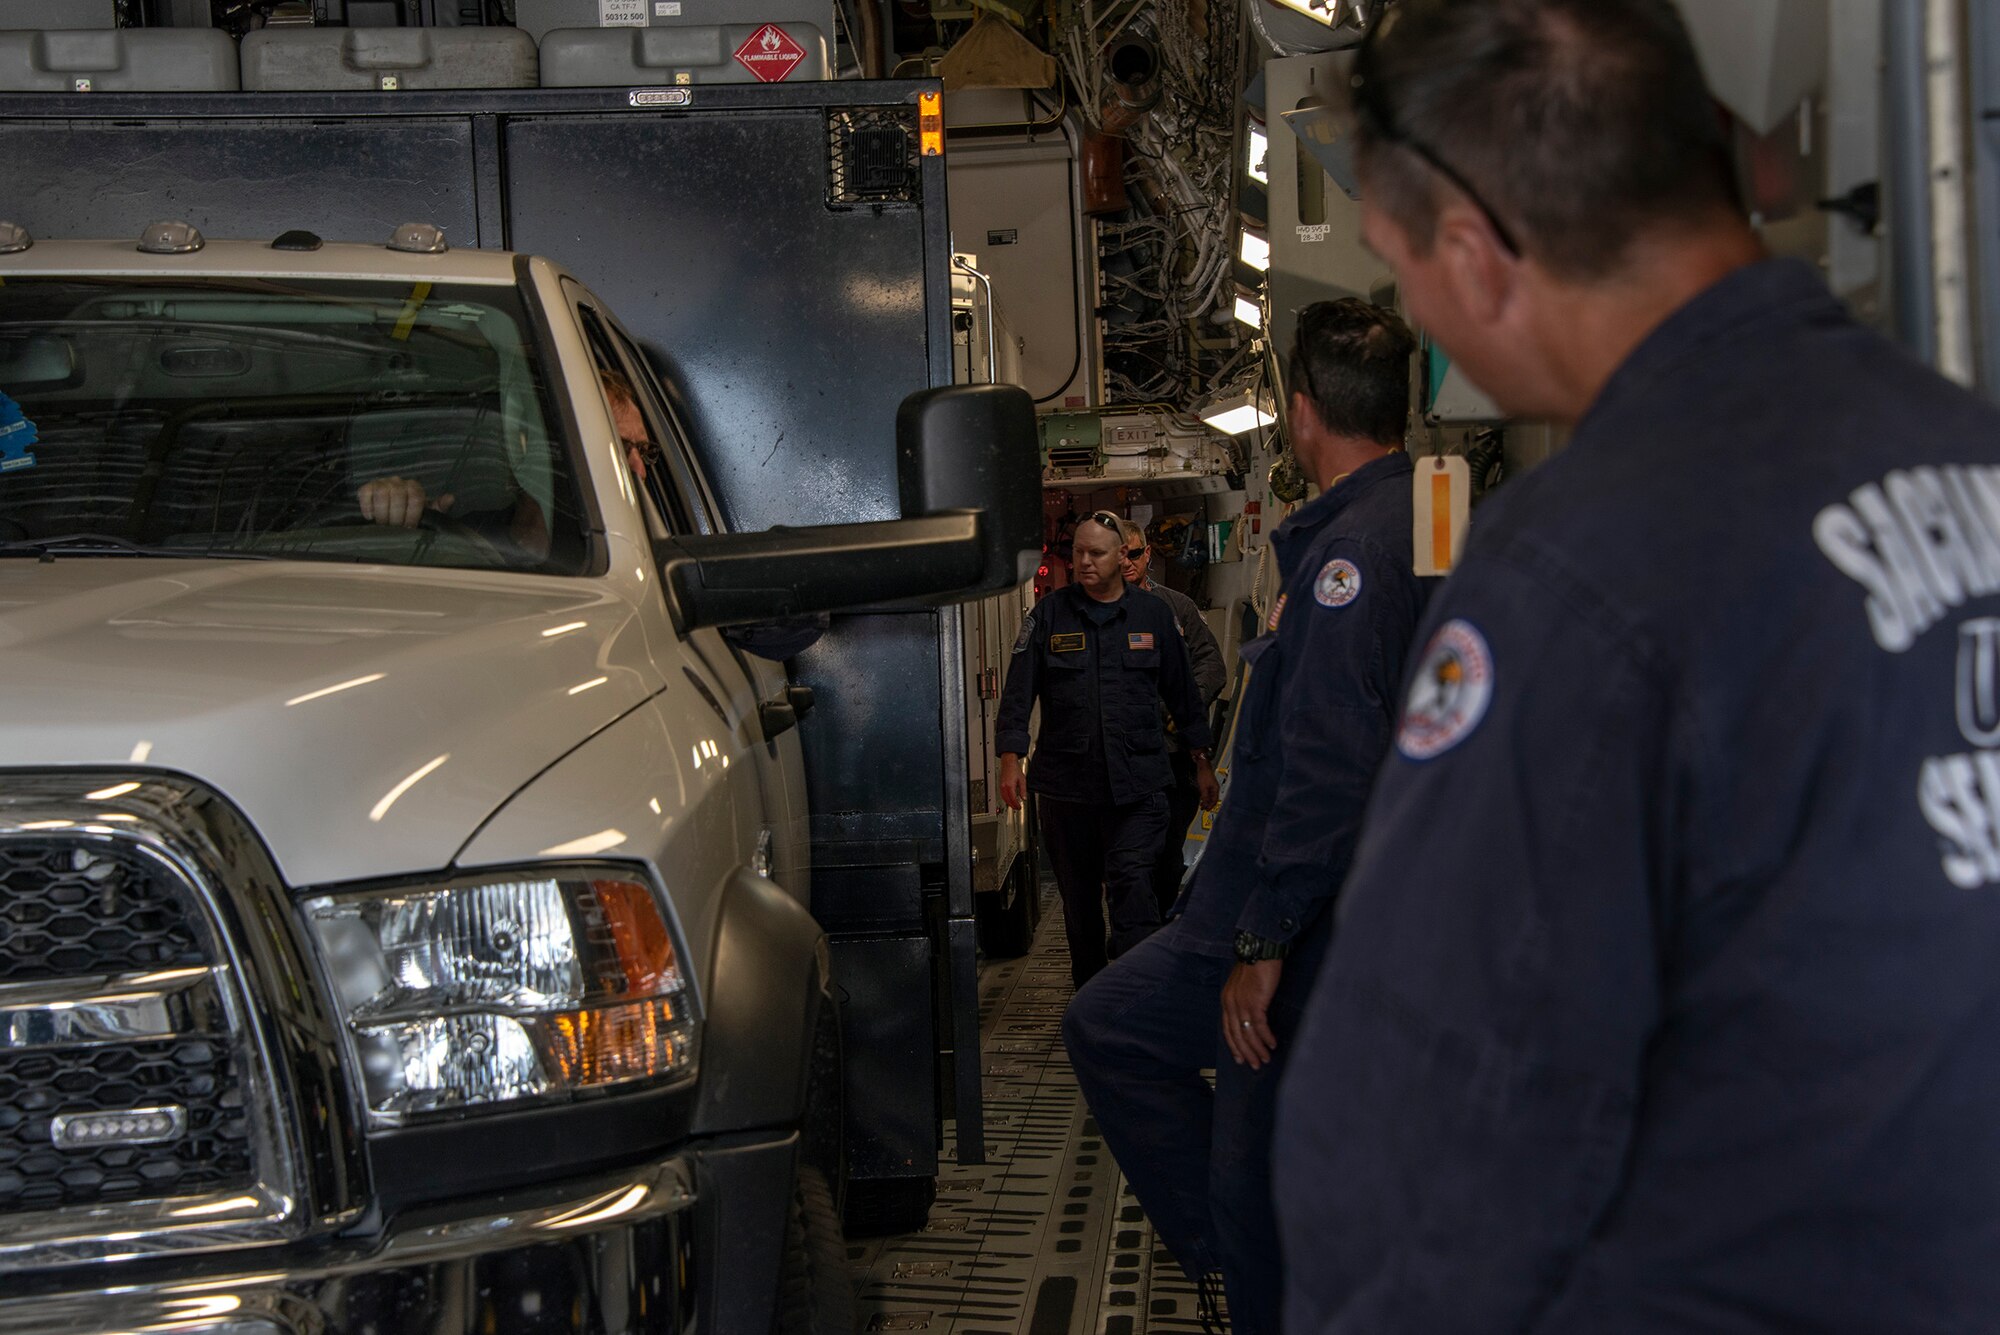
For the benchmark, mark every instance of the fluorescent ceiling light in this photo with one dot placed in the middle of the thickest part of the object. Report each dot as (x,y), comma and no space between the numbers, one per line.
(1249,312)
(1254,165)
(1254,251)
(1236,414)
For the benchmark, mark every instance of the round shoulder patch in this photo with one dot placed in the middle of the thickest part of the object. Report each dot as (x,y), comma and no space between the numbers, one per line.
(1027,635)
(1449,694)
(1339,584)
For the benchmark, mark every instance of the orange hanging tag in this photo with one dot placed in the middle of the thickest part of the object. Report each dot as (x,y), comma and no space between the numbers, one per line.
(1441,505)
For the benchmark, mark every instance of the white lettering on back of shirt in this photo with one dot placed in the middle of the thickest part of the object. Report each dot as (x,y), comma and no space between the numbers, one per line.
(1922,543)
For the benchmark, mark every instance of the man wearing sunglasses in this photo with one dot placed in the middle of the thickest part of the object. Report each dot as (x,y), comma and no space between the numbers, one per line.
(1663,993)
(1223,984)
(1185,798)
(1100,657)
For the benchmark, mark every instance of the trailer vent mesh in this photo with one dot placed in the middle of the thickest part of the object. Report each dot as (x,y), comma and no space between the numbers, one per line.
(872,157)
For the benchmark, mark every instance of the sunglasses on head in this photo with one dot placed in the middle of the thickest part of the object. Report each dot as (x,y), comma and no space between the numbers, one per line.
(1371,104)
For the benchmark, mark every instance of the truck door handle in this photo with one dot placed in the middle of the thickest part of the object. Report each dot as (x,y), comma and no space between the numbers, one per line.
(778,718)
(781,716)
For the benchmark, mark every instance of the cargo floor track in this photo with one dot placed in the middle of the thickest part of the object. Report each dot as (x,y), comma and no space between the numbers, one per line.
(1044,1238)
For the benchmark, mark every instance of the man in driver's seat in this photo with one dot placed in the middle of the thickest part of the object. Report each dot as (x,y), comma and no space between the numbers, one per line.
(400,502)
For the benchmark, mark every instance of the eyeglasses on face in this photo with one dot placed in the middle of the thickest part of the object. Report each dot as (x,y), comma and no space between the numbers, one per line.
(1134,553)
(1371,103)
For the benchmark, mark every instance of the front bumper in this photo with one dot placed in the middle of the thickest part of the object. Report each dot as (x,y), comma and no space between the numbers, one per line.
(613,1254)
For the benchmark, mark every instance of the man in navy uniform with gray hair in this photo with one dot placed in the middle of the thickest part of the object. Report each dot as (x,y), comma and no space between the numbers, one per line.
(1665,993)
(1211,675)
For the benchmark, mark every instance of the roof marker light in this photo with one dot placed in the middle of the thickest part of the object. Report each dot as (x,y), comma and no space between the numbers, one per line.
(14,238)
(297,239)
(418,238)
(170,238)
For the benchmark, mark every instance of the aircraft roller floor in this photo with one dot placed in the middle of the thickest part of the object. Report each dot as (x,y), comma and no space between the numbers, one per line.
(1044,1238)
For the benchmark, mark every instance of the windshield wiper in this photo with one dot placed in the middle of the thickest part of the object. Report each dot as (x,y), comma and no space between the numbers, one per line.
(107,544)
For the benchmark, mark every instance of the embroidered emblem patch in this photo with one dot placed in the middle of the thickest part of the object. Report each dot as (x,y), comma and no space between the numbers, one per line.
(1338,584)
(1449,693)
(1066,644)
(1139,640)
(1277,612)
(1027,635)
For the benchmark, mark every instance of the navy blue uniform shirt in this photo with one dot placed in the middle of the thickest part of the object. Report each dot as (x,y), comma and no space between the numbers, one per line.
(1100,671)
(1665,993)
(1317,715)
(1211,674)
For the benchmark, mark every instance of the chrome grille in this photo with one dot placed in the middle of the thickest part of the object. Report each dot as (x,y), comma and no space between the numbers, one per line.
(194,1072)
(139,1113)
(70,909)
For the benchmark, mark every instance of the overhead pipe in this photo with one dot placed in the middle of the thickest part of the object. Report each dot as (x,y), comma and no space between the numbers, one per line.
(869,13)
(1134,65)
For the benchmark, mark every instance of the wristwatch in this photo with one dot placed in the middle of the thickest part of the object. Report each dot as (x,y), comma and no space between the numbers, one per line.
(1256,949)
(1200,753)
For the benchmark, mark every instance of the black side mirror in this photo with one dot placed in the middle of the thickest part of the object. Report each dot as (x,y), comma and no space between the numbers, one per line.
(975,447)
(970,482)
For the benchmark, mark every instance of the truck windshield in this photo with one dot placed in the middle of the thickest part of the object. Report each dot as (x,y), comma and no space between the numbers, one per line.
(303,419)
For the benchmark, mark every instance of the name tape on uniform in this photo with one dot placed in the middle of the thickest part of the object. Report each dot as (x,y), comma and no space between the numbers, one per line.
(1441,507)
(1071,643)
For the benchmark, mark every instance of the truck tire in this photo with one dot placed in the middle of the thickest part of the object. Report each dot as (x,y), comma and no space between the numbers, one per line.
(881,1207)
(815,1288)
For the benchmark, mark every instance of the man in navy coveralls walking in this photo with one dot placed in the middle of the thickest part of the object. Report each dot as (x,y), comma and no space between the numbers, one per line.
(1100,657)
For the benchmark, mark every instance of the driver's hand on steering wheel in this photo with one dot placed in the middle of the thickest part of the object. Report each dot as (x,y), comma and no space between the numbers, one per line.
(398,502)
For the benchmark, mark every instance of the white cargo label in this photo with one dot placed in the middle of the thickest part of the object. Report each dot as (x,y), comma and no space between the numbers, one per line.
(621,13)
(666,9)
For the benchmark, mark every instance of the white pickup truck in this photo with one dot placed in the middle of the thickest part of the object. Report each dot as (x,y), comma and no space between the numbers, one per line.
(402,836)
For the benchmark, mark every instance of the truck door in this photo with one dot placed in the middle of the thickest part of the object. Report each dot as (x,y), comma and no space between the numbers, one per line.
(708,666)
(783,840)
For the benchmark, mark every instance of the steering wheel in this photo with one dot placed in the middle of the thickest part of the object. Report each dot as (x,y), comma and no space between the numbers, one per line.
(347,514)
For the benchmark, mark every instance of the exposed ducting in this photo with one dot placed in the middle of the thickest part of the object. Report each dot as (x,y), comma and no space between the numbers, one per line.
(1134,66)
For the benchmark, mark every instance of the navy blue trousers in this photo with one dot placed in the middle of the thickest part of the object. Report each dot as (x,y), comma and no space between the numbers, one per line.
(1139,1037)
(1103,855)
(1183,805)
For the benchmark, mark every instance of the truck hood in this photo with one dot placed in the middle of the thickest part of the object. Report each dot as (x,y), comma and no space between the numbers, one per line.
(365,719)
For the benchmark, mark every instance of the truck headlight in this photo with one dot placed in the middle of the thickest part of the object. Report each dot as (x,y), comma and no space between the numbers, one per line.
(502,987)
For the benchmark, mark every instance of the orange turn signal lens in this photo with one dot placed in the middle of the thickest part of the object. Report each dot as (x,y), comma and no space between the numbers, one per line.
(640,944)
(610,1044)
(930,123)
